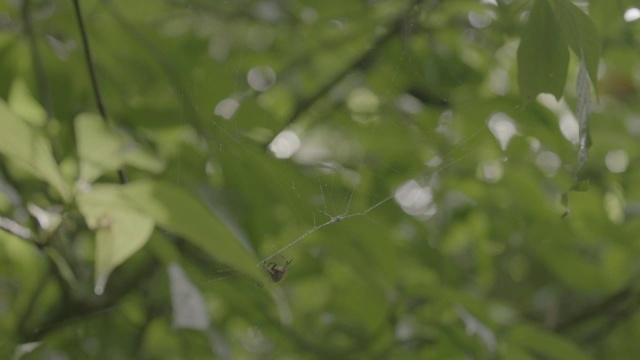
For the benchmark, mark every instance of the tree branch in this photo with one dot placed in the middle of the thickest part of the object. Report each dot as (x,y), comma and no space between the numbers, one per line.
(94,79)
(361,62)
(625,301)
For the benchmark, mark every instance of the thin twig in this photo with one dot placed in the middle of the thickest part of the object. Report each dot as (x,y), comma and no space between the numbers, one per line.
(89,60)
(160,57)
(189,110)
(94,79)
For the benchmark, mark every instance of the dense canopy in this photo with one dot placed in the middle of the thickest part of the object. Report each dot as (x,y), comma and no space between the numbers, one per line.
(380,179)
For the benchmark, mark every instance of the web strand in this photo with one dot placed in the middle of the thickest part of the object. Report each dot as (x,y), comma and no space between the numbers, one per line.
(346,215)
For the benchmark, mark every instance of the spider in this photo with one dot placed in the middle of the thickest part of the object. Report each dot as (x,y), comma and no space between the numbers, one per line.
(276,272)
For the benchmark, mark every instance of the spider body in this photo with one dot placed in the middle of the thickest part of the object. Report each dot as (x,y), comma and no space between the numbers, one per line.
(277,273)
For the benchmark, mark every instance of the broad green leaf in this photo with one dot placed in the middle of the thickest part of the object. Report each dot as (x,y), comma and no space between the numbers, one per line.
(24,105)
(543,56)
(581,35)
(181,213)
(23,143)
(546,344)
(121,230)
(99,149)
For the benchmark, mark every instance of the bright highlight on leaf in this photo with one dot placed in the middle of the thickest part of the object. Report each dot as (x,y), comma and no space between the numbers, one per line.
(24,105)
(99,149)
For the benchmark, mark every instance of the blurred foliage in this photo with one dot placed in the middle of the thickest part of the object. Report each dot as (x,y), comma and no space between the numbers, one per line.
(398,153)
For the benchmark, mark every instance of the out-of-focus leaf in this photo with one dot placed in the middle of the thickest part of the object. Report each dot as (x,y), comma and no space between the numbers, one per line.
(543,56)
(23,143)
(571,268)
(181,213)
(143,160)
(187,302)
(581,35)
(121,230)
(24,105)
(583,109)
(99,149)
(546,344)
(605,15)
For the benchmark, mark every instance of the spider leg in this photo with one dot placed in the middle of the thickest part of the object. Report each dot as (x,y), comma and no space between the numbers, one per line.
(270,266)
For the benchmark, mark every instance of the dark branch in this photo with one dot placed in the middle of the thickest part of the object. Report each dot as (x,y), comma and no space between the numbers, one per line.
(624,301)
(159,56)
(94,79)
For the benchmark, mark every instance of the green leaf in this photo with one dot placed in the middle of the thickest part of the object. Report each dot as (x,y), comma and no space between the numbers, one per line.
(581,35)
(27,146)
(99,149)
(121,230)
(543,56)
(143,160)
(545,343)
(181,213)
(24,105)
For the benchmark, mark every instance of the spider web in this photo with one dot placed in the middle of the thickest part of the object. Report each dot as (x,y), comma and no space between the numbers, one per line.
(464,149)
(427,174)
(225,123)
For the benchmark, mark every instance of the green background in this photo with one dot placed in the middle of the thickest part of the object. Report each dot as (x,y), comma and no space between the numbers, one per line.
(517,251)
